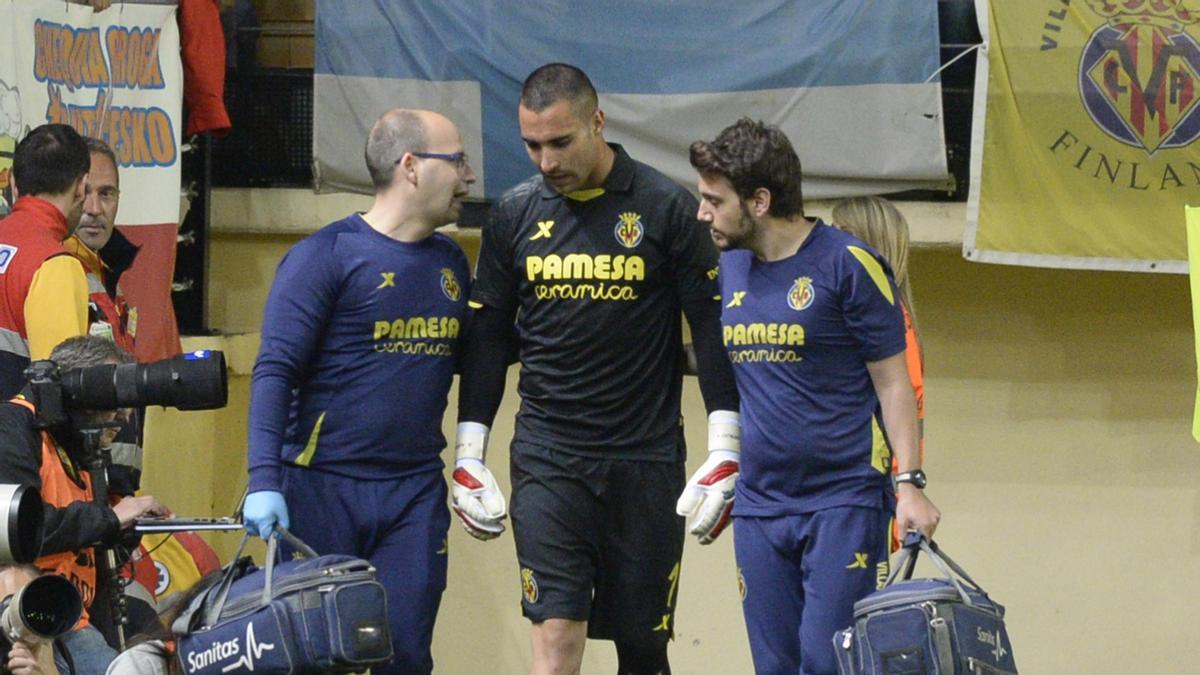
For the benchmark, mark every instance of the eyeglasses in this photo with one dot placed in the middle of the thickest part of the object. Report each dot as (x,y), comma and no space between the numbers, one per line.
(459,159)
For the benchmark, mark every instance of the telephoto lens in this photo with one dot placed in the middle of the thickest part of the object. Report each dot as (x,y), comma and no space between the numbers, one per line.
(21,523)
(193,381)
(43,609)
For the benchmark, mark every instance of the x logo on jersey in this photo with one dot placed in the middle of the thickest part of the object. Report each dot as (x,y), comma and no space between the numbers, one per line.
(544,227)
(860,562)
(737,299)
(389,279)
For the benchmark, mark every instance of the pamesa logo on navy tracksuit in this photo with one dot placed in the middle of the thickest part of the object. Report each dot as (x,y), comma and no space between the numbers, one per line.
(420,335)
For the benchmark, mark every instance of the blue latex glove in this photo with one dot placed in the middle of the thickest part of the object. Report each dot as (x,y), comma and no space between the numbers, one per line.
(262,511)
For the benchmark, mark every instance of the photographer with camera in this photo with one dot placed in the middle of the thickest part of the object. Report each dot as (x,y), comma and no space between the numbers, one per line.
(50,456)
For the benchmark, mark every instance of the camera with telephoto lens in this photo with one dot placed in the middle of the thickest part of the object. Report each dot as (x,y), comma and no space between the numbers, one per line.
(192,381)
(40,611)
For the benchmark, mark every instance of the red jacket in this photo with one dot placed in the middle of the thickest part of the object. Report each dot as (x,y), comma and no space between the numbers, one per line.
(31,249)
(202,43)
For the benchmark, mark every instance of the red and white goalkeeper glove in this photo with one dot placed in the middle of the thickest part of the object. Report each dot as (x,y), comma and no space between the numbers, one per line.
(708,496)
(474,494)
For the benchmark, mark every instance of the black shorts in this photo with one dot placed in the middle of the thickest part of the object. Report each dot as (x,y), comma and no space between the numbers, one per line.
(598,540)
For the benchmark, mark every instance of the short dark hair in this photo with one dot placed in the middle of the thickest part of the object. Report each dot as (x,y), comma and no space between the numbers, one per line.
(84,351)
(49,160)
(555,82)
(96,146)
(753,155)
(395,133)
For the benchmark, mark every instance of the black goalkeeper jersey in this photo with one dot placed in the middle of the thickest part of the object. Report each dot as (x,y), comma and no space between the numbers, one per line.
(597,280)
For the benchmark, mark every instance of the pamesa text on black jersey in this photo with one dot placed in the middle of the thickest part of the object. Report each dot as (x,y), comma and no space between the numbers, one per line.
(597,280)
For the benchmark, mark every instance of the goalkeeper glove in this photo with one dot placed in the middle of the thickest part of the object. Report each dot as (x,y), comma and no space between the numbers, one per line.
(475,495)
(708,496)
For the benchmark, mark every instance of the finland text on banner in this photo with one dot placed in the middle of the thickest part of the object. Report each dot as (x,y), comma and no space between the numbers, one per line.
(851,81)
(1086,149)
(113,75)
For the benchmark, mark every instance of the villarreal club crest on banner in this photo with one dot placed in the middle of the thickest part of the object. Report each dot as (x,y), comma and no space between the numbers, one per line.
(1090,142)
(1139,72)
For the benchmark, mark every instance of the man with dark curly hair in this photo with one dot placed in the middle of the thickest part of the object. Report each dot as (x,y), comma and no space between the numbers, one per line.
(813,328)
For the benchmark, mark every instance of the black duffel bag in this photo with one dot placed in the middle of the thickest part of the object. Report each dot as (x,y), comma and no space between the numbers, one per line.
(318,614)
(943,626)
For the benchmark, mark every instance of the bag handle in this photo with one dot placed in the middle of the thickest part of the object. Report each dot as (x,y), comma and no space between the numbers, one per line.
(273,551)
(939,554)
(214,601)
(295,542)
(915,542)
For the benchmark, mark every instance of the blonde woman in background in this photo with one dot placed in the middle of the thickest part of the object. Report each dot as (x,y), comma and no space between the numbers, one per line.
(880,224)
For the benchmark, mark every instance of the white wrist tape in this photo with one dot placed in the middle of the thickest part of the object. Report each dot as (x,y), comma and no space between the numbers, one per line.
(471,441)
(724,431)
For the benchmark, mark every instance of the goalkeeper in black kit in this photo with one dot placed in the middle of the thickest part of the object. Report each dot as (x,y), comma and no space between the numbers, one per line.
(596,258)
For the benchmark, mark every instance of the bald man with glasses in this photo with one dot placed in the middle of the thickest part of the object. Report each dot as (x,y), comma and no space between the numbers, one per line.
(360,342)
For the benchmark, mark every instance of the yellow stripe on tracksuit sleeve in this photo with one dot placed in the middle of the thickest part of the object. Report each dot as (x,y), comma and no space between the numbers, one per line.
(310,448)
(881,454)
(874,269)
(56,307)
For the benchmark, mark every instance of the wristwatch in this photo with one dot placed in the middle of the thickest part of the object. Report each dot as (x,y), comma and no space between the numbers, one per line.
(915,477)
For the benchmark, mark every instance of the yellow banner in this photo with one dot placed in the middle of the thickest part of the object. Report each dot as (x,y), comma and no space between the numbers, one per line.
(1193,248)
(1087,147)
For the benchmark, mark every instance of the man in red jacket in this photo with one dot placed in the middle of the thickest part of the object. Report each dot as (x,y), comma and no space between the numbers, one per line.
(43,291)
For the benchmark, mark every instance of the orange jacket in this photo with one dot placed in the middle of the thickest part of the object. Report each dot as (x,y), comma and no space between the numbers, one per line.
(60,489)
(916,374)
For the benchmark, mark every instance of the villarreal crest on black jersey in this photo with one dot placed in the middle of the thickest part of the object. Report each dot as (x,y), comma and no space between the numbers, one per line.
(597,280)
